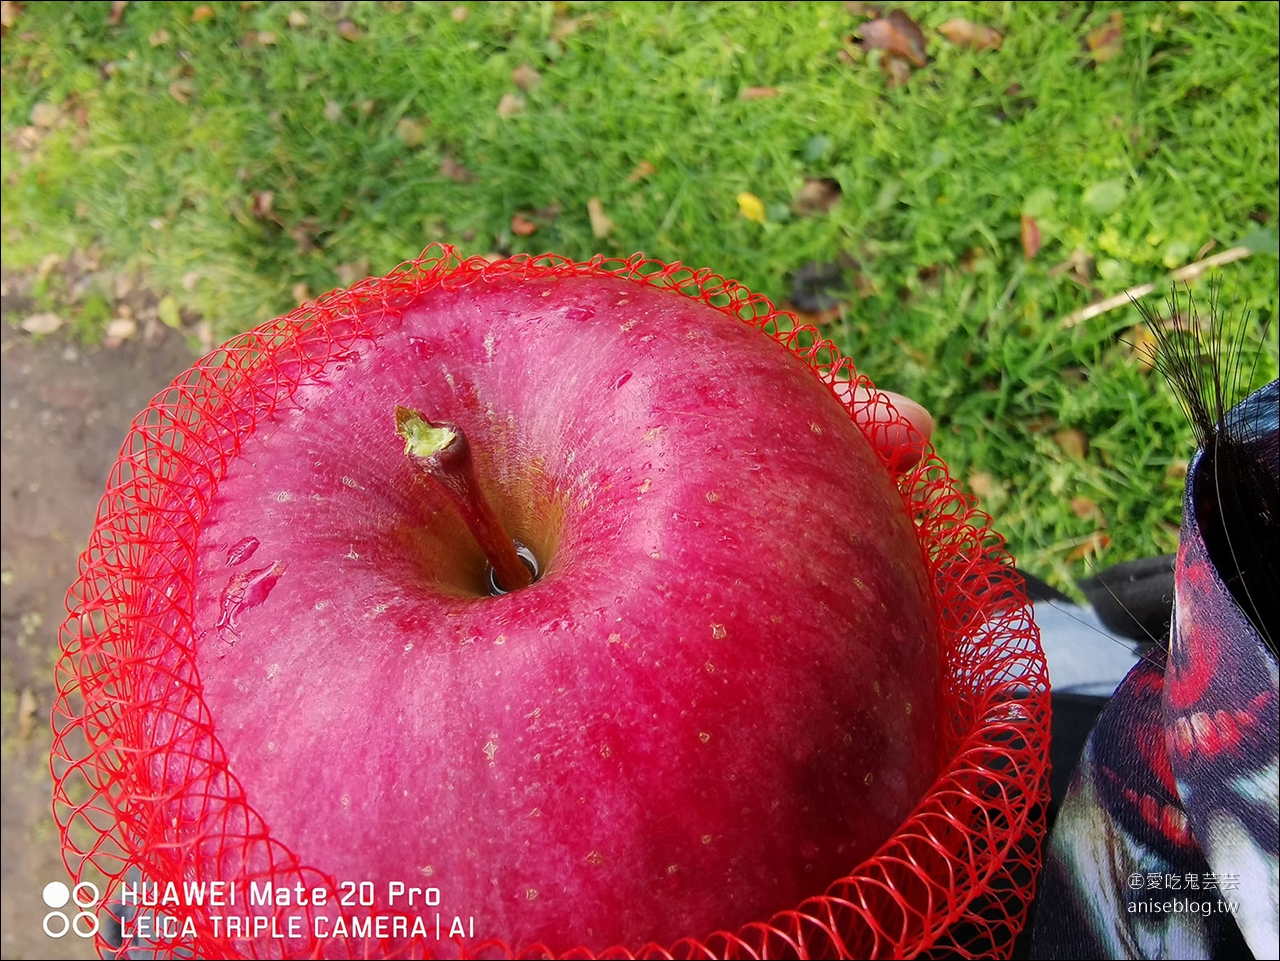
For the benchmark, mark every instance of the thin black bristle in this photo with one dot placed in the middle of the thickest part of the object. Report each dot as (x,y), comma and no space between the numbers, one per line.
(1235,488)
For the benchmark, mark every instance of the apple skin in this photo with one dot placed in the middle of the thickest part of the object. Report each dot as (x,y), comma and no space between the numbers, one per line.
(721,695)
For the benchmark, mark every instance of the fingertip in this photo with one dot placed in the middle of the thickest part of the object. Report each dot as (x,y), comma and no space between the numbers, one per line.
(915,413)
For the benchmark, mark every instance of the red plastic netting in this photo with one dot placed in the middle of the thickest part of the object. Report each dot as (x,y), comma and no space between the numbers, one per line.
(142,786)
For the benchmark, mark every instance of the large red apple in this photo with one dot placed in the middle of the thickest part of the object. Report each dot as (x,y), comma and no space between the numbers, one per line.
(720,695)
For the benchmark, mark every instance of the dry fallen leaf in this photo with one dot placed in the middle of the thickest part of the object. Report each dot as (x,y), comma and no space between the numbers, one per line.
(751,207)
(1143,346)
(1084,508)
(26,714)
(896,69)
(984,485)
(1106,42)
(1072,441)
(204,334)
(201,13)
(122,328)
(181,90)
(966,33)
(600,222)
(45,323)
(348,274)
(347,29)
(332,111)
(525,77)
(1030,237)
(642,169)
(301,294)
(522,227)
(454,171)
(459,14)
(411,132)
(1094,543)
(117,11)
(565,26)
(817,196)
(45,115)
(297,19)
(544,215)
(263,200)
(48,264)
(159,37)
(26,139)
(757,93)
(897,35)
(267,38)
(1078,267)
(510,105)
(304,234)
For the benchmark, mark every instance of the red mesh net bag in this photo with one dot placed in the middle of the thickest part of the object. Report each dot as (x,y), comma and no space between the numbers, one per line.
(143,791)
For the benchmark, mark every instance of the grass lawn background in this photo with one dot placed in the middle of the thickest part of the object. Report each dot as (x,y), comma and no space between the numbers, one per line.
(236,157)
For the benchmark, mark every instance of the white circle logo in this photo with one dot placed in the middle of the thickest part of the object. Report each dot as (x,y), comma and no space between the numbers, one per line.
(57,895)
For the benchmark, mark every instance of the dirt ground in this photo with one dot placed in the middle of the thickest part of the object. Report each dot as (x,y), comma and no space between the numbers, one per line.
(66,409)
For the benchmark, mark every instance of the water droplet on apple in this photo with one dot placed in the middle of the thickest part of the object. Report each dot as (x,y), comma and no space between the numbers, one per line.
(241,551)
(531,562)
(244,590)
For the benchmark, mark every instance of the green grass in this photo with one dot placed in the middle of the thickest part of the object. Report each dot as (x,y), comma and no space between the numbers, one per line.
(1138,162)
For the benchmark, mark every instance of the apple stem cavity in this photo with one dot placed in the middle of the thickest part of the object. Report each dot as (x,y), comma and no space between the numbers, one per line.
(441,451)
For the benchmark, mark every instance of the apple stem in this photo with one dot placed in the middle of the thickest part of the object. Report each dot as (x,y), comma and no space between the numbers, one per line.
(441,451)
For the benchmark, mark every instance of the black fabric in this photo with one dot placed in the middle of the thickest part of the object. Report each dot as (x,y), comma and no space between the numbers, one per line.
(1134,599)
(1038,590)
(1074,716)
